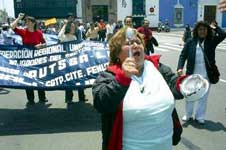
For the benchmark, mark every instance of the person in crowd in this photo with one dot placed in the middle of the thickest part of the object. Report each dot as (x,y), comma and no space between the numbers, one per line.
(128,21)
(7,35)
(135,97)
(51,29)
(67,33)
(118,26)
(102,30)
(31,36)
(92,33)
(222,5)
(71,18)
(187,33)
(148,38)
(109,30)
(199,48)
(83,30)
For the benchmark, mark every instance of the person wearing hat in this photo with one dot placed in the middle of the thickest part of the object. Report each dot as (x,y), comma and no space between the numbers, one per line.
(31,36)
(196,51)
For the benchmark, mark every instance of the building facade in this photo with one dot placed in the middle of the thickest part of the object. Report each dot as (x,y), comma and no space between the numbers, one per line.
(94,10)
(41,9)
(207,10)
(177,12)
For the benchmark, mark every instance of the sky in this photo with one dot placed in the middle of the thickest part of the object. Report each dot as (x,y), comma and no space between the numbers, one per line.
(8,5)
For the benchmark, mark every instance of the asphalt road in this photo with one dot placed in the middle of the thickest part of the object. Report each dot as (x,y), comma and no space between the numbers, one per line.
(54,126)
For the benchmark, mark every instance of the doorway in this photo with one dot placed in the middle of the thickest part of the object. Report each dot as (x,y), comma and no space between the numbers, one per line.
(209,13)
(100,12)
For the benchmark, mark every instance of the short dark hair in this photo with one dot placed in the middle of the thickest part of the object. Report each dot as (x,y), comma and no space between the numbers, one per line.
(33,20)
(70,15)
(145,20)
(127,18)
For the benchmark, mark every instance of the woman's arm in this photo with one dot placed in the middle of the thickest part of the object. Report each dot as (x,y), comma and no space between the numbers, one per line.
(107,93)
(172,80)
(182,58)
(221,35)
(61,33)
(15,22)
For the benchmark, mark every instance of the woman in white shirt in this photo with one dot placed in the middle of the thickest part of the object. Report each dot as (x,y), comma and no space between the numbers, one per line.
(68,33)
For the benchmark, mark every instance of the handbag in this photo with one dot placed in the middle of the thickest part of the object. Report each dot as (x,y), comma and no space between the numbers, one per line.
(213,72)
(177,128)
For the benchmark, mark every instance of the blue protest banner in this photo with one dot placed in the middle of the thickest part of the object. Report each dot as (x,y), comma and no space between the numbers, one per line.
(67,65)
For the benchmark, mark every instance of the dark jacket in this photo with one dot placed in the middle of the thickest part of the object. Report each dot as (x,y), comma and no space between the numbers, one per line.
(186,36)
(189,51)
(110,88)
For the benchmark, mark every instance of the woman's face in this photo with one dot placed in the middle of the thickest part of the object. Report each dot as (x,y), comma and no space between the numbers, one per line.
(29,23)
(72,28)
(137,51)
(202,32)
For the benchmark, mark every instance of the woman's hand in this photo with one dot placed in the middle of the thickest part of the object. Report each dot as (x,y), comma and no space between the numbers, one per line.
(213,25)
(21,16)
(180,72)
(39,46)
(129,66)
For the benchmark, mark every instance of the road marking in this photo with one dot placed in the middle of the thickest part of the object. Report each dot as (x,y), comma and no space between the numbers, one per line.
(160,49)
(174,45)
(168,48)
(223,80)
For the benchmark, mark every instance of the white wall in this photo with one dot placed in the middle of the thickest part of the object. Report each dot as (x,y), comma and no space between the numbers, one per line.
(122,12)
(79,9)
(8,5)
(201,5)
(152,17)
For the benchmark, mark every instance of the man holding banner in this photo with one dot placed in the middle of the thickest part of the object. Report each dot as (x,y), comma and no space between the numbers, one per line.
(31,36)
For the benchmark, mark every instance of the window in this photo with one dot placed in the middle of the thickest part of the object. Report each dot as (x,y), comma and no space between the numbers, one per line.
(138,7)
(178,15)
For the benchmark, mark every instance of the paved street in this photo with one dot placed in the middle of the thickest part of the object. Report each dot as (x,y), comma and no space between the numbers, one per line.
(55,126)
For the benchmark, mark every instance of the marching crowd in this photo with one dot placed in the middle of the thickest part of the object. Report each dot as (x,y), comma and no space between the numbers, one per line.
(136,93)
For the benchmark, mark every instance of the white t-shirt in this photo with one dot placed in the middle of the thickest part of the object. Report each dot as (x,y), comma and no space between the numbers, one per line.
(200,66)
(147,122)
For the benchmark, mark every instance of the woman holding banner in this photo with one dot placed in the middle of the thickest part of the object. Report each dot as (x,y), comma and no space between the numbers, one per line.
(31,36)
(67,33)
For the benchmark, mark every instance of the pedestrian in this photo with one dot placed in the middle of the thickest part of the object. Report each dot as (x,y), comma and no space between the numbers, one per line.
(148,38)
(128,21)
(67,33)
(31,36)
(7,35)
(187,33)
(135,97)
(102,30)
(196,52)
(92,33)
(118,26)
(222,5)
(71,18)
(109,30)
